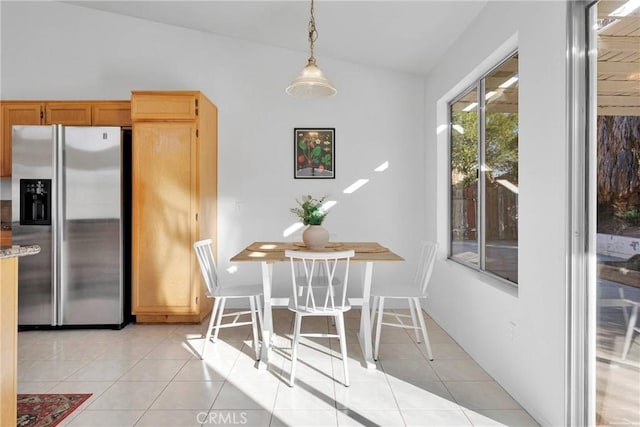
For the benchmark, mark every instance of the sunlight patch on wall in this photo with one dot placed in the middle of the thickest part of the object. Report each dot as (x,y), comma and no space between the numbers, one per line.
(355,186)
(328,205)
(292,229)
(382,167)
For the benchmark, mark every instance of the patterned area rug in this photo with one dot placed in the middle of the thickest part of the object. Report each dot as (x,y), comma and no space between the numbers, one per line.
(47,410)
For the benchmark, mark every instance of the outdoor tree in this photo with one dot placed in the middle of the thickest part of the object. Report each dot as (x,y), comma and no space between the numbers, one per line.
(618,141)
(501,145)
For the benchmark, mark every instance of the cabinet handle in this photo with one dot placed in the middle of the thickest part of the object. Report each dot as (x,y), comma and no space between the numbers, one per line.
(196,217)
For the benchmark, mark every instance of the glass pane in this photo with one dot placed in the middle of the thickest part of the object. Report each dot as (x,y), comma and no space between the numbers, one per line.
(464,178)
(617,141)
(501,170)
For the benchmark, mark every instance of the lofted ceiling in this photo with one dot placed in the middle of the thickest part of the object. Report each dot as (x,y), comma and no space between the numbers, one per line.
(618,64)
(405,36)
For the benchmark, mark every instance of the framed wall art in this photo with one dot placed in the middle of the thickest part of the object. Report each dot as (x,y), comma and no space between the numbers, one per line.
(314,153)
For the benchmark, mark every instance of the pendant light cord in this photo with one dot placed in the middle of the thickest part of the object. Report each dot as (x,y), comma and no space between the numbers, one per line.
(313,34)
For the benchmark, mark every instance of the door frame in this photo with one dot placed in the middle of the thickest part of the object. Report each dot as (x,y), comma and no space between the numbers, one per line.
(581,271)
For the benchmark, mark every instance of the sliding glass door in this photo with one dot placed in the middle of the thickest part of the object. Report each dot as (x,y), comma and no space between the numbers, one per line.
(614,74)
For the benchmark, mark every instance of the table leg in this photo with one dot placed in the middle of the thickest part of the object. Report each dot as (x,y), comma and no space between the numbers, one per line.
(365,319)
(267,320)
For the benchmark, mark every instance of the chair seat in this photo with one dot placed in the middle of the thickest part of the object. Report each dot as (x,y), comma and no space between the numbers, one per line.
(402,291)
(319,311)
(239,291)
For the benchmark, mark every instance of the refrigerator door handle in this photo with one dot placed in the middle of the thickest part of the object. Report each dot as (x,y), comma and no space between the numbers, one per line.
(58,228)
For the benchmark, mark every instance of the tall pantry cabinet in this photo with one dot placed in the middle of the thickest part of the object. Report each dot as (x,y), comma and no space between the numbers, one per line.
(174,202)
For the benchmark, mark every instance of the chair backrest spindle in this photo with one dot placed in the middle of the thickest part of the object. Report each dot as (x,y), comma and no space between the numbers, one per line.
(207,264)
(314,283)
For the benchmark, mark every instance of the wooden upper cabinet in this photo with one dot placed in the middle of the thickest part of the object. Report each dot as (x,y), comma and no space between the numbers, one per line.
(111,113)
(172,106)
(15,113)
(67,113)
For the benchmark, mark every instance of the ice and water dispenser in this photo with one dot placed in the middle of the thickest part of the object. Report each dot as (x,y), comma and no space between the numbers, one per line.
(35,202)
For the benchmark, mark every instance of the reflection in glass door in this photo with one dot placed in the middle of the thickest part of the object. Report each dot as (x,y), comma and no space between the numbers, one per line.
(615,41)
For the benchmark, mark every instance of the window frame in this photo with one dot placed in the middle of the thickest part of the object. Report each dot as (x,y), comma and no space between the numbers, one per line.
(478,84)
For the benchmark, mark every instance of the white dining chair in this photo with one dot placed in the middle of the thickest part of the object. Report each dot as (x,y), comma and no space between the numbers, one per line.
(222,293)
(412,292)
(630,313)
(319,297)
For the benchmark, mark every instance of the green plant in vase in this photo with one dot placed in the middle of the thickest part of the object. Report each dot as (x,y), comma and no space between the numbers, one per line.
(311,213)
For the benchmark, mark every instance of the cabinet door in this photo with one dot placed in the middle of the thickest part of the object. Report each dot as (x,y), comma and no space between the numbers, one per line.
(164,224)
(67,113)
(111,113)
(28,113)
(163,106)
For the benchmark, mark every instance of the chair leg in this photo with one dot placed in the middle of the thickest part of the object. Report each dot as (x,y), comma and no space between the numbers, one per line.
(423,326)
(413,321)
(343,346)
(254,328)
(373,313)
(219,321)
(379,328)
(259,309)
(630,328)
(625,309)
(294,348)
(207,337)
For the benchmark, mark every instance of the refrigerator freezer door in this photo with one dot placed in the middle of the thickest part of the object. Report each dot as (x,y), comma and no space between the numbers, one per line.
(33,158)
(91,282)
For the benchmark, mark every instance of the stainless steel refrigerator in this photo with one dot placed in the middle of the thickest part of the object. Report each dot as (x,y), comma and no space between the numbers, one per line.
(67,197)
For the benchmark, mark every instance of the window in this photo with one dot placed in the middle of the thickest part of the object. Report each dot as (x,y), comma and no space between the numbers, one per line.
(483,141)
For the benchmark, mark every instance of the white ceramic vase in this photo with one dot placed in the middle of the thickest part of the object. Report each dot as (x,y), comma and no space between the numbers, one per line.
(315,237)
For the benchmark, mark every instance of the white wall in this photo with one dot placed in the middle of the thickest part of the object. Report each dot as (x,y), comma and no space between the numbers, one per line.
(59,51)
(475,310)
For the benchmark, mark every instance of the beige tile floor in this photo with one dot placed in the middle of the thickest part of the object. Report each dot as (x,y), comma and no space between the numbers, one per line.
(150,375)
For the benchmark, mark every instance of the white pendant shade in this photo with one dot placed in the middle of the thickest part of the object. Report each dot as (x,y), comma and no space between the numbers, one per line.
(311,83)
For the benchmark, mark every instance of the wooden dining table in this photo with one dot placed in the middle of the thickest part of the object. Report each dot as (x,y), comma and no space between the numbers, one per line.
(269,253)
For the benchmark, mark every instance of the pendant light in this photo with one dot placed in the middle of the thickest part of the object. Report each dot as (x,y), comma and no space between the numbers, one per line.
(311,82)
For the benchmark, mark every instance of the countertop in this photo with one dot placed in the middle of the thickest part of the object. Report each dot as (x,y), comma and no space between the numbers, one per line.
(16,251)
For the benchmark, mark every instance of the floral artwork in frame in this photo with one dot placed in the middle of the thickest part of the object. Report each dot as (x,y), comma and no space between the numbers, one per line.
(314,153)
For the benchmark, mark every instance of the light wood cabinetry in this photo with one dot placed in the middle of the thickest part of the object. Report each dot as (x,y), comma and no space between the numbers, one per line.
(170,106)
(8,340)
(70,113)
(67,113)
(111,113)
(174,203)
(16,113)
(5,238)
